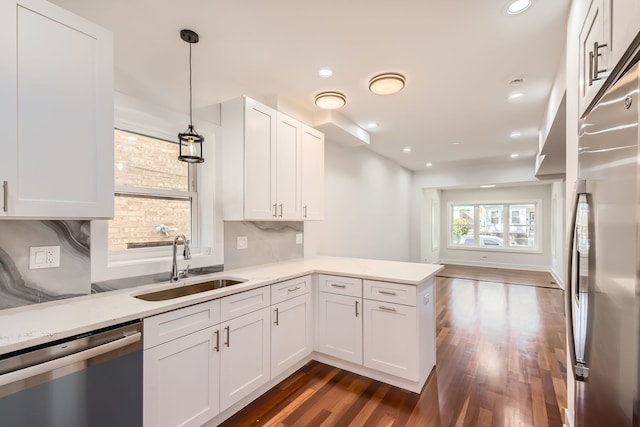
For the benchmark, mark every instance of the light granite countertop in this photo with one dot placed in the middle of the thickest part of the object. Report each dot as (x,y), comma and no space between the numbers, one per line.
(36,324)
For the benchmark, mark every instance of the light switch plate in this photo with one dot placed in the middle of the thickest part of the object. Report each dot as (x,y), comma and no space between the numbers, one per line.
(298,238)
(44,257)
(241,242)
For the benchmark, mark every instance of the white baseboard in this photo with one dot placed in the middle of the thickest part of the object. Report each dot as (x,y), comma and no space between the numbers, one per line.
(508,266)
(558,280)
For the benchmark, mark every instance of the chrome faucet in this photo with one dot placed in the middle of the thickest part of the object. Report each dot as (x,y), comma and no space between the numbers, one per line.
(175,273)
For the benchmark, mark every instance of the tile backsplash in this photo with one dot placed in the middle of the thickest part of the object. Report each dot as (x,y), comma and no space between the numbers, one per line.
(267,241)
(21,286)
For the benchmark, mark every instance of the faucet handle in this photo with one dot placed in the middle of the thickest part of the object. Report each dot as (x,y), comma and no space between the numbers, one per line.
(183,273)
(186,254)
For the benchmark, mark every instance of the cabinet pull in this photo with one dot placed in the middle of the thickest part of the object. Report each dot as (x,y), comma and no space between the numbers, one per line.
(337,285)
(275,210)
(280,210)
(293,289)
(304,215)
(217,347)
(228,335)
(277,317)
(594,69)
(5,186)
(357,308)
(387,293)
(382,307)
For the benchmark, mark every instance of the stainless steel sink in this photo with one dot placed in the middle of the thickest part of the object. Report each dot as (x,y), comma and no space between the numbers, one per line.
(185,290)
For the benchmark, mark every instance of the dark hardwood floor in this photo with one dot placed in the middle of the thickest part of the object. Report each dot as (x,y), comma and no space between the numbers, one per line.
(500,362)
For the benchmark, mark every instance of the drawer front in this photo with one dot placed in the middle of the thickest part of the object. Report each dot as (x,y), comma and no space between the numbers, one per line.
(288,289)
(341,285)
(244,302)
(175,324)
(390,292)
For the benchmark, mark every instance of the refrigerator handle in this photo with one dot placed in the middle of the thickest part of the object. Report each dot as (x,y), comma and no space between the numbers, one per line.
(577,368)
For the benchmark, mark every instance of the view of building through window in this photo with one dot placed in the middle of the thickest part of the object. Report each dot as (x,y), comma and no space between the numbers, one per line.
(153,201)
(490,228)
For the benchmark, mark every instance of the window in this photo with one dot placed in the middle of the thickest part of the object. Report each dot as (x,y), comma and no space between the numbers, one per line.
(155,196)
(489,228)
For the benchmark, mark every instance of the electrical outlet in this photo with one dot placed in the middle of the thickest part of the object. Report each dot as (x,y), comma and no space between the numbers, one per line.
(298,238)
(44,257)
(241,242)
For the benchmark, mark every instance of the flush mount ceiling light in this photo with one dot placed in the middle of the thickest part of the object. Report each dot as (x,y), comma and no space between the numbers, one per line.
(518,6)
(387,83)
(190,140)
(330,100)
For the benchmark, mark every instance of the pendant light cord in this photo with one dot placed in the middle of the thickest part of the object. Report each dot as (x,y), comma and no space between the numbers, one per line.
(190,92)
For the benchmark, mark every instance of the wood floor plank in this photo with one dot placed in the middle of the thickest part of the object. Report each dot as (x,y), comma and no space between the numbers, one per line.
(500,362)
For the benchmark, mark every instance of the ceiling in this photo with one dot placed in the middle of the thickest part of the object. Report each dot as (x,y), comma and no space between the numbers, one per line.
(458,57)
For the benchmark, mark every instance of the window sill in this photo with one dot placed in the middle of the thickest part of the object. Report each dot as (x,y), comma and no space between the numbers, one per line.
(509,250)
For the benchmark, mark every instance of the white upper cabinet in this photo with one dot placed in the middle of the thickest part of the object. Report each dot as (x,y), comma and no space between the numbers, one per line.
(312,174)
(607,32)
(262,162)
(56,113)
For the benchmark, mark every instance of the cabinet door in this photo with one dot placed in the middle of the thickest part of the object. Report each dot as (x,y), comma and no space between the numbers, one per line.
(181,380)
(594,63)
(291,333)
(259,142)
(391,338)
(312,174)
(56,113)
(287,168)
(340,326)
(245,356)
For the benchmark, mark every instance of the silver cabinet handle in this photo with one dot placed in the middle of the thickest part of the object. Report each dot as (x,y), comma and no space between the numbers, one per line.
(275,210)
(277,317)
(382,307)
(357,308)
(387,293)
(217,347)
(590,68)
(228,335)
(594,69)
(336,285)
(293,289)
(304,215)
(5,186)
(280,210)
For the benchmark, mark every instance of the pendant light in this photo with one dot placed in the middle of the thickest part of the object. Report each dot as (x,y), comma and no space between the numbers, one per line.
(190,140)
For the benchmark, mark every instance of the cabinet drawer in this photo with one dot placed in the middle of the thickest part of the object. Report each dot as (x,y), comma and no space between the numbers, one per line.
(290,288)
(244,302)
(175,324)
(389,292)
(341,285)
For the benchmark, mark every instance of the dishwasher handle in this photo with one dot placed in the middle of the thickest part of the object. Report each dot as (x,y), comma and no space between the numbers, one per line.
(51,365)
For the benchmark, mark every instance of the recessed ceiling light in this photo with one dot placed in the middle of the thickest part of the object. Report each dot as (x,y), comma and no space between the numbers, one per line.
(515,155)
(330,100)
(387,83)
(487,186)
(455,143)
(429,164)
(407,149)
(518,6)
(372,125)
(516,95)
(515,134)
(325,72)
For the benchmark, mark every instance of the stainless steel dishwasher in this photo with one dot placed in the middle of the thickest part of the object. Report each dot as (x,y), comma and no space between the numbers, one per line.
(93,379)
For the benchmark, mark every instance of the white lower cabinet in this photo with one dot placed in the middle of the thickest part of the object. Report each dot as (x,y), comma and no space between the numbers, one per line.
(291,333)
(340,326)
(390,338)
(245,356)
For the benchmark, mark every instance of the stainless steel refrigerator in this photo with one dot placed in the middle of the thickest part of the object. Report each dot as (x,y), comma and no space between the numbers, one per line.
(603,262)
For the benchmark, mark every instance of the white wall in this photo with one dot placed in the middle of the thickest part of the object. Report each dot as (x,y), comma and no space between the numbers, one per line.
(558,231)
(367,207)
(540,260)
(431,226)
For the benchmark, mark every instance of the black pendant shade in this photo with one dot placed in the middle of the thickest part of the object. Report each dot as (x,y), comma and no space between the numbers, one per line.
(190,140)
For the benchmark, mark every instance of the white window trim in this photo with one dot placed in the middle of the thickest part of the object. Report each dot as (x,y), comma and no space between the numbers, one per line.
(538,249)
(148,119)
